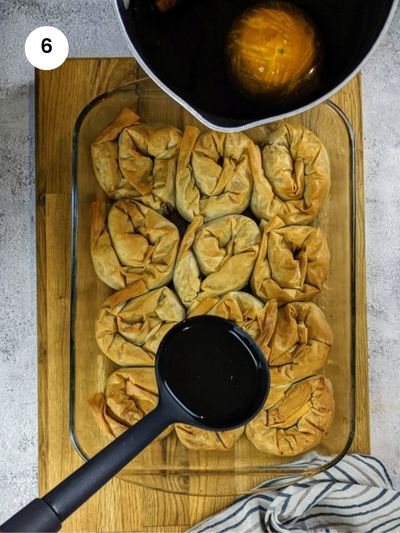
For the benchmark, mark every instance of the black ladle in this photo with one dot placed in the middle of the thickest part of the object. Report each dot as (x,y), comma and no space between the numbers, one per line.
(210,374)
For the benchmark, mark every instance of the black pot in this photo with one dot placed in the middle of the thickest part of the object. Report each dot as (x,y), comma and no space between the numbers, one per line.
(183,51)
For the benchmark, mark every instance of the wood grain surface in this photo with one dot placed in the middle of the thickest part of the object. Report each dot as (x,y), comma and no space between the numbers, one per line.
(60,97)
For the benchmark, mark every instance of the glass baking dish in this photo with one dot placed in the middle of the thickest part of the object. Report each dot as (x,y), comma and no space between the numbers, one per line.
(167,465)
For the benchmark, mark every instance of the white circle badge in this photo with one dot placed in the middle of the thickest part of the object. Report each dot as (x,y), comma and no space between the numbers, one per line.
(46,48)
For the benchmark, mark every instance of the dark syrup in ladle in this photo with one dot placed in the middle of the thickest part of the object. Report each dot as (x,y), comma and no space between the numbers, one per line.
(209,366)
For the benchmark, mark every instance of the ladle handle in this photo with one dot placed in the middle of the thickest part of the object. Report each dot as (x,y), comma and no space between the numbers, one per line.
(47,514)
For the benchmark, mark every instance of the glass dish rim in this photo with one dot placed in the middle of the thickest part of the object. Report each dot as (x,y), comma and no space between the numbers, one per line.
(273,469)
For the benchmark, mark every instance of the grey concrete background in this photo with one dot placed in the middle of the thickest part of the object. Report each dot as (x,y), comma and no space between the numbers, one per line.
(92,30)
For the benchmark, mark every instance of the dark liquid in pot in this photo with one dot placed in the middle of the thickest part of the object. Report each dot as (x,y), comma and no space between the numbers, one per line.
(186,48)
(212,372)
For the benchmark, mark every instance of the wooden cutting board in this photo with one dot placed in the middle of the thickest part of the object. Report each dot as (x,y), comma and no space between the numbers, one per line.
(60,97)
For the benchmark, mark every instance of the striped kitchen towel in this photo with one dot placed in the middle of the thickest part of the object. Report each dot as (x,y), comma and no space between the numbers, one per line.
(355,495)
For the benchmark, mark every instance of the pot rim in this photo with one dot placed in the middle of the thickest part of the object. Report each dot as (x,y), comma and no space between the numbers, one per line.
(260,122)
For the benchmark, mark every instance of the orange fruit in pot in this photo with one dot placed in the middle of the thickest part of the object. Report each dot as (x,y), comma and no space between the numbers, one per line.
(273,48)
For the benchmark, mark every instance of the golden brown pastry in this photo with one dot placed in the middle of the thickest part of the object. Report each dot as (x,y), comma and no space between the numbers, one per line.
(138,161)
(294,419)
(132,243)
(292,263)
(214,175)
(105,156)
(300,343)
(293,180)
(216,257)
(199,439)
(129,395)
(129,328)
(257,318)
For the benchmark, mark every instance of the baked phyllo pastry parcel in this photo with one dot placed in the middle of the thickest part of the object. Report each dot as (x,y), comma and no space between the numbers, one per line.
(130,327)
(294,418)
(214,174)
(138,161)
(292,263)
(300,343)
(291,176)
(129,395)
(132,243)
(216,257)
(257,318)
